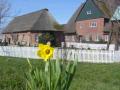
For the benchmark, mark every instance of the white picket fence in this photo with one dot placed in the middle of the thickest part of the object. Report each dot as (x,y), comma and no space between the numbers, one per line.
(88,45)
(22,52)
(92,56)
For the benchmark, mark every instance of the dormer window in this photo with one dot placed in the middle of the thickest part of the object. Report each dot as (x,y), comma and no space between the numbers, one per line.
(89,12)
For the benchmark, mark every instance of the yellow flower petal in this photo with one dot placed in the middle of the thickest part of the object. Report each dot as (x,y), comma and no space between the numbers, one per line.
(45,52)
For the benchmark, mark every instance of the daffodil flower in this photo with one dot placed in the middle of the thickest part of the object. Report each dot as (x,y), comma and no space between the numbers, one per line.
(45,51)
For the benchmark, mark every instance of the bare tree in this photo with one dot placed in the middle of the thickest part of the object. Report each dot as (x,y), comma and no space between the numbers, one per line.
(115,30)
(4,11)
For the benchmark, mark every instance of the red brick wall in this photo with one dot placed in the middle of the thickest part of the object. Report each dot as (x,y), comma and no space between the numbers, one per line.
(26,38)
(29,38)
(83,28)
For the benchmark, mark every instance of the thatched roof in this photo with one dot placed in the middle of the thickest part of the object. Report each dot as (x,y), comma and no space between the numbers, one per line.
(70,26)
(112,4)
(36,21)
(107,7)
(103,7)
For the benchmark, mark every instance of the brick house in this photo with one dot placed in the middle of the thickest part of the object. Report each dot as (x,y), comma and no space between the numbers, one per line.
(90,22)
(25,29)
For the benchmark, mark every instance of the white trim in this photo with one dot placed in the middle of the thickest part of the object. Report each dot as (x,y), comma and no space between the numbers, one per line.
(93,24)
(89,12)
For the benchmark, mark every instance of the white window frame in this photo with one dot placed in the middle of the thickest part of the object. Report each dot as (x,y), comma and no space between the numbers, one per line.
(89,12)
(98,37)
(87,38)
(93,24)
(106,37)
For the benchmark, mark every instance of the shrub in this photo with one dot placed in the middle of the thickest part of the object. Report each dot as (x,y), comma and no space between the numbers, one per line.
(45,37)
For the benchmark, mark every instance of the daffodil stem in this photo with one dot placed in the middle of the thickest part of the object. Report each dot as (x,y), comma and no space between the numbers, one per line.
(50,72)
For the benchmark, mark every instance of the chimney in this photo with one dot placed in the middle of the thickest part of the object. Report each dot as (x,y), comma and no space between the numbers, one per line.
(45,9)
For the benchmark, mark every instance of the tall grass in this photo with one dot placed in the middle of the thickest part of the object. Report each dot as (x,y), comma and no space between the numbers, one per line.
(56,75)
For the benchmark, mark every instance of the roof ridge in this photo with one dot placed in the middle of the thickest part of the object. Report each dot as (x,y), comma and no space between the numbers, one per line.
(45,9)
(70,26)
(82,6)
(51,20)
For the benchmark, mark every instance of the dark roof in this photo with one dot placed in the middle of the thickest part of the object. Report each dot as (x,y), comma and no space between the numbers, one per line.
(107,7)
(36,21)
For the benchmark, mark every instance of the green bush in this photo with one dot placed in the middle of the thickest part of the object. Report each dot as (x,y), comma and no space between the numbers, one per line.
(45,37)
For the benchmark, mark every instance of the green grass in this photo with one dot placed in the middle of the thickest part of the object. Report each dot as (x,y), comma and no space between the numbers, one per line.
(97,77)
(87,77)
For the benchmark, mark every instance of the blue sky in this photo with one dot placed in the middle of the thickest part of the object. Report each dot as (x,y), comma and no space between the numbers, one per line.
(62,10)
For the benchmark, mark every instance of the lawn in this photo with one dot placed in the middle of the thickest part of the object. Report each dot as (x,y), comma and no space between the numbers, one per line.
(87,77)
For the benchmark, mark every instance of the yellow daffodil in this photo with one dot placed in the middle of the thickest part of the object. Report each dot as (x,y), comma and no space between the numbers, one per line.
(45,51)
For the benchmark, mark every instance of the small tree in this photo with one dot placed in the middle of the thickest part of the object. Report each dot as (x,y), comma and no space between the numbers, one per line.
(4,11)
(115,31)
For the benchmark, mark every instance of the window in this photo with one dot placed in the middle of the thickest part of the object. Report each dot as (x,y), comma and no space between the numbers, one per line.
(87,38)
(89,12)
(98,38)
(36,37)
(73,38)
(81,26)
(93,24)
(106,37)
